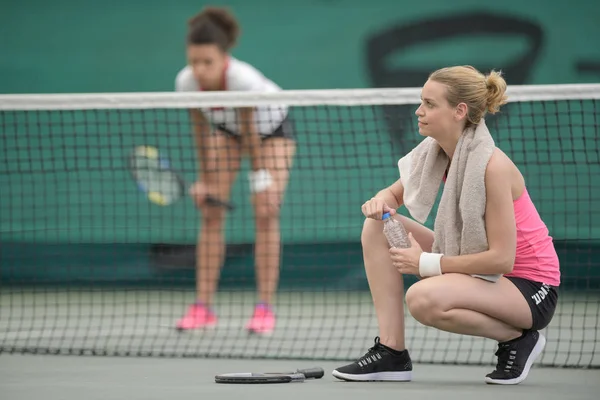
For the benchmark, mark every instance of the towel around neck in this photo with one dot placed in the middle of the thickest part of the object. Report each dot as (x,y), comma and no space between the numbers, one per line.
(459,226)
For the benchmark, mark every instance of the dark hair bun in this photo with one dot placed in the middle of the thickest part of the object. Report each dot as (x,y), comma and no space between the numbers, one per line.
(220,17)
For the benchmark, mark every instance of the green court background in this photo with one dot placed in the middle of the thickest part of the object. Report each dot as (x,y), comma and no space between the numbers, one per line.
(65,186)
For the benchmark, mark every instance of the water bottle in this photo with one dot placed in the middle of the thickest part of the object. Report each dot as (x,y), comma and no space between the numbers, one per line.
(394,232)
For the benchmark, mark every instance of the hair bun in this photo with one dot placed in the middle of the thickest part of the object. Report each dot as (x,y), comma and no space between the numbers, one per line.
(221,17)
(496,88)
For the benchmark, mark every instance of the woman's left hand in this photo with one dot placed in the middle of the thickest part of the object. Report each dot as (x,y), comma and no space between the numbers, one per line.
(406,260)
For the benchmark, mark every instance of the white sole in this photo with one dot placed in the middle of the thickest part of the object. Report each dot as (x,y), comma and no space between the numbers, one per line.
(398,376)
(535,353)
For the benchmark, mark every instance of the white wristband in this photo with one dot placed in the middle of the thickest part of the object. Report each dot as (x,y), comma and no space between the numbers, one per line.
(430,264)
(259,180)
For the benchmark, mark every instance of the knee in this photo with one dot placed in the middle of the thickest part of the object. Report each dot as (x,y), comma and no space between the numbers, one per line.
(266,217)
(266,214)
(372,233)
(424,304)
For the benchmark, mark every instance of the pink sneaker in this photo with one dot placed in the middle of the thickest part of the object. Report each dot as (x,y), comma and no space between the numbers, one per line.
(197,317)
(262,321)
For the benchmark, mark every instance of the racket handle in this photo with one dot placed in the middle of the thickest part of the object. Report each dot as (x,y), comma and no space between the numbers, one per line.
(213,201)
(316,372)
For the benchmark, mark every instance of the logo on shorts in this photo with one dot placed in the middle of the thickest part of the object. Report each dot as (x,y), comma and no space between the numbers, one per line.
(541,294)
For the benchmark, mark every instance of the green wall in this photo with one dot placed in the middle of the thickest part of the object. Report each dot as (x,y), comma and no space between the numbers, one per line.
(64,179)
(137,45)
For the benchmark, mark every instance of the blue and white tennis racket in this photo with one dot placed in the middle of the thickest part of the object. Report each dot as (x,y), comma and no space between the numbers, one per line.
(156,178)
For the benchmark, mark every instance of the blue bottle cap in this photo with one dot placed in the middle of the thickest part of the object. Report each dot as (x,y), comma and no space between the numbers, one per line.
(385,216)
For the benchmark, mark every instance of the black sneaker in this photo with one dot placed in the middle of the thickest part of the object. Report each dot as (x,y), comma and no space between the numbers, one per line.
(515,358)
(381,363)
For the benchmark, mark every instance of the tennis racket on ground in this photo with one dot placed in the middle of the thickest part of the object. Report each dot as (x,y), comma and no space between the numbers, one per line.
(270,377)
(158,180)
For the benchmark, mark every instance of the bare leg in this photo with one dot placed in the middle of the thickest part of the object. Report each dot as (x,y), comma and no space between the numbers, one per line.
(210,251)
(462,304)
(278,155)
(387,360)
(385,282)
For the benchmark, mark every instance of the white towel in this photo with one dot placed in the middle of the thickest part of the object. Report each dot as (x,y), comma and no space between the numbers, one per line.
(459,226)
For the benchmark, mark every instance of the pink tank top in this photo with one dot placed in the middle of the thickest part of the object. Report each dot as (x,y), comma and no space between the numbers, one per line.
(536,257)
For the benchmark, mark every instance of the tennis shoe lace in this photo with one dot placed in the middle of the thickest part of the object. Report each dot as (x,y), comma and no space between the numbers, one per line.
(506,355)
(372,355)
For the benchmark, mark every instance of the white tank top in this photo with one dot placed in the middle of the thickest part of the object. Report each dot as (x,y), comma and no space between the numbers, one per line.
(239,76)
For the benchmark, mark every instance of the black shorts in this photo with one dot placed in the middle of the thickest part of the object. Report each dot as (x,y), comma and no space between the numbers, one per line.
(542,299)
(285,130)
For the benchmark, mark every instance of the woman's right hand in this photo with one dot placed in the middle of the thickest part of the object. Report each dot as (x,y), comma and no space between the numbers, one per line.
(375,208)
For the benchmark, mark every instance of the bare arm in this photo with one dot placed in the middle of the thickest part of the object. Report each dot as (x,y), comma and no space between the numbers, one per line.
(392,195)
(201,134)
(500,227)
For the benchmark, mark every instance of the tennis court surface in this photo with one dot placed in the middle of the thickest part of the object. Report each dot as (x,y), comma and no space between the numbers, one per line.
(155,361)
(72,378)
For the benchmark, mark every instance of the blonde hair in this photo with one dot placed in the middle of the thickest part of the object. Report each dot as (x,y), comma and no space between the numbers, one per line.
(481,93)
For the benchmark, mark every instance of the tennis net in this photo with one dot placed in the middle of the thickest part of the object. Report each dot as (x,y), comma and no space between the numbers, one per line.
(90,266)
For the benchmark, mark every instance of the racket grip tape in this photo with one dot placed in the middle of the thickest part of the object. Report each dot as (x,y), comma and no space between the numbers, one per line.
(213,201)
(316,373)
